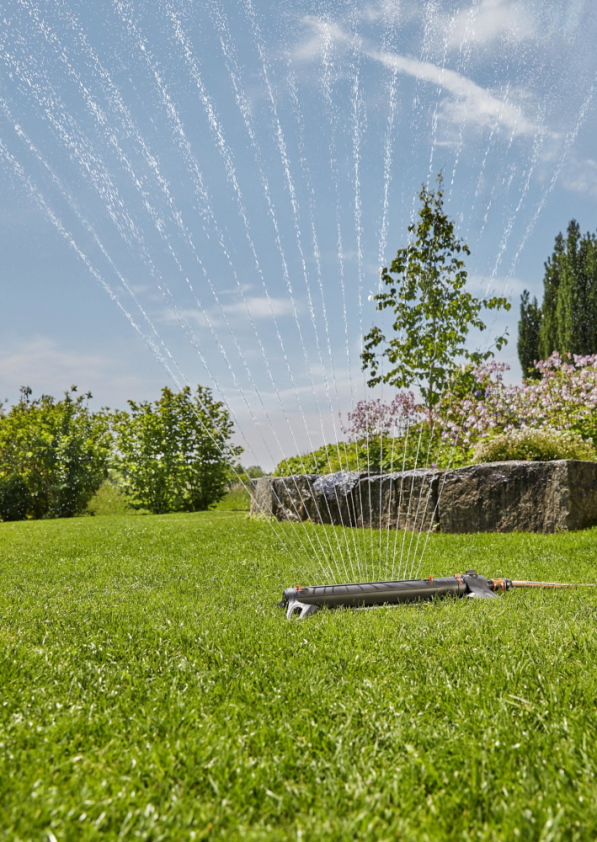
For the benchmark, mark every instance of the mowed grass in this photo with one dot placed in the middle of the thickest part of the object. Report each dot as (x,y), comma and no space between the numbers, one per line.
(151,689)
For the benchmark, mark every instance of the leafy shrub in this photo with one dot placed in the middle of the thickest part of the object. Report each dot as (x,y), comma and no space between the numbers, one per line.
(59,448)
(419,448)
(175,455)
(109,499)
(15,497)
(532,444)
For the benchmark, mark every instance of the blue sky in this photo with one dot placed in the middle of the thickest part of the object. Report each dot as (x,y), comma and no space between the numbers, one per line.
(204,191)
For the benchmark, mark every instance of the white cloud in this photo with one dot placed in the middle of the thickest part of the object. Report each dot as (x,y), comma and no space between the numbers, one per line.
(257,307)
(40,361)
(261,307)
(581,177)
(201,318)
(388,11)
(501,285)
(492,19)
(467,100)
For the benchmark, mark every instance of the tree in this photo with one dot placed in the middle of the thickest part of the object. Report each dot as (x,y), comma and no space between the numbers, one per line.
(548,332)
(528,335)
(174,455)
(433,312)
(569,309)
(54,456)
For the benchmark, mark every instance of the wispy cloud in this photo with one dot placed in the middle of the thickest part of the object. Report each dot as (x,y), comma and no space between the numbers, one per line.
(40,360)
(500,285)
(255,307)
(581,176)
(467,101)
(261,307)
(490,20)
(50,367)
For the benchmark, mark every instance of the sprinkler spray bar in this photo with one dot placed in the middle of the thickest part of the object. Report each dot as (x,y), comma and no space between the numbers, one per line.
(369,594)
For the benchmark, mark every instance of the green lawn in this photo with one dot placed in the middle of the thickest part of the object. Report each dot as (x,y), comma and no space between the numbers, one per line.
(151,689)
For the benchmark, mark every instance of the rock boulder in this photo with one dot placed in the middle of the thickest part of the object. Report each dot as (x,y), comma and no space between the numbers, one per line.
(495,497)
(519,497)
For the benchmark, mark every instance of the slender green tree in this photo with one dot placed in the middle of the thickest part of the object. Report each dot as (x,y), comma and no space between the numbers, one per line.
(569,309)
(548,333)
(570,293)
(425,288)
(528,335)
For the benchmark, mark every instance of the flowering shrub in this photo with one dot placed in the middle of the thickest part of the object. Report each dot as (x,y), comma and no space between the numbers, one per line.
(564,399)
(533,444)
(374,418)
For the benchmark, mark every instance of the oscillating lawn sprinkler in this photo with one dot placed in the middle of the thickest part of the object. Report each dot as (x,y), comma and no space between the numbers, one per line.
(370,594)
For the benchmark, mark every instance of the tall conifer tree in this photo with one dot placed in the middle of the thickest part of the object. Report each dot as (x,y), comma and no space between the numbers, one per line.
(567,321)
(528,335)
(548,333)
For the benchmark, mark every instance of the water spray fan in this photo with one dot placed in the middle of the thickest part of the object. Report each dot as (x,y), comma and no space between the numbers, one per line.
(308,600)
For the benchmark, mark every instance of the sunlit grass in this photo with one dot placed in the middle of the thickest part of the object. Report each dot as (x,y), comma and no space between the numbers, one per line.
(151,689)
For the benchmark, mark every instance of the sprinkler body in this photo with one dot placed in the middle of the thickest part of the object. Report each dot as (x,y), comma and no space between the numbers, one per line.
(369,594)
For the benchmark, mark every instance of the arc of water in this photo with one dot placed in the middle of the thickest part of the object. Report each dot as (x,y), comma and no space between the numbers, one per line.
(569,142)
(180,378)
(112,193)
(326,88)
(429,15)
(399,507)
(231,174)
(71,242)
(571,138)
(493,134)
(53,218)
(465,50)
(434,119)
(195,171)
(316,253)
(282,149)
(537,146)
(357,210)
(68,196)
(388,41)
(152,161)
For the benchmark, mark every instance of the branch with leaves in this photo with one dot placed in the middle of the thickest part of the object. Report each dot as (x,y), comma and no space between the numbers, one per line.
(425,288)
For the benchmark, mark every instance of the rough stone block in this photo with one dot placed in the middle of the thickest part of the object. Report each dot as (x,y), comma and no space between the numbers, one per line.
(495,497)
(406,500)
(519,497)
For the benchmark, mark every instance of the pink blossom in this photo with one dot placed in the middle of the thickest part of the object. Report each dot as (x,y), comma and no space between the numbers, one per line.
(564,397)
(375,418)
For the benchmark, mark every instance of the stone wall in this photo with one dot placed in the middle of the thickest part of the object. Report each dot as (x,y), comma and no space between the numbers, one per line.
(494,497)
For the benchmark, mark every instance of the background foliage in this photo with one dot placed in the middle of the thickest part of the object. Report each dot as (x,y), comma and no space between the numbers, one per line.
(566,321)
(59,459)
(433,312)
(175,454)
(54,455)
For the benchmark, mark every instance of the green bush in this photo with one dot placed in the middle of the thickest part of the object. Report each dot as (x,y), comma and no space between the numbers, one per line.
(109,499)
(175,455)
(15,497)
(379,454)
(60,449)
(237,499)
(533,444)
